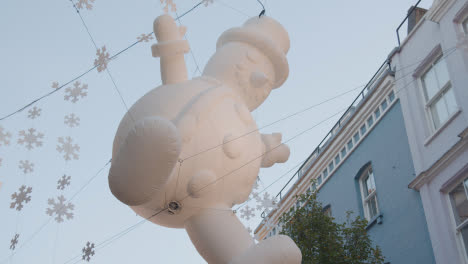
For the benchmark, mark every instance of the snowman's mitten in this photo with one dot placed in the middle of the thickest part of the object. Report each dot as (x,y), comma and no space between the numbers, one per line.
(275,151)
(145,161)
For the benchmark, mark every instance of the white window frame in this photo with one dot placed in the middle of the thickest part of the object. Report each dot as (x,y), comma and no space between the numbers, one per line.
(348,145)
(384,105)
(363,129)
(428,102)
(343,152)
(365,199)
(337,158)
(462,250)
(331,167)
(370,120)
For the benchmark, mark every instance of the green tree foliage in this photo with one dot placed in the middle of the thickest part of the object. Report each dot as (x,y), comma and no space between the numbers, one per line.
(322,241)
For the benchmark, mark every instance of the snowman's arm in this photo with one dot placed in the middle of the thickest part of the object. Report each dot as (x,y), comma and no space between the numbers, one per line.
(171,49)
(275,151)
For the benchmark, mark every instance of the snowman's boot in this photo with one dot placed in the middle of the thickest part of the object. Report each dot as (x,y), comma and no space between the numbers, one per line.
(145,161)
(218,235)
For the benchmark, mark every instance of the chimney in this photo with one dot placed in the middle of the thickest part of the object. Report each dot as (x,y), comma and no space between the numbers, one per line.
(414,16)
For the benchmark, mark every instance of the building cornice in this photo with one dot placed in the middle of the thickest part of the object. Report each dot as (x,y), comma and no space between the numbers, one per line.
(381,90)
(438,9)
(429,174)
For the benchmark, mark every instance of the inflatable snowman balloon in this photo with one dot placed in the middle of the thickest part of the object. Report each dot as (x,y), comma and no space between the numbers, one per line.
(189,150)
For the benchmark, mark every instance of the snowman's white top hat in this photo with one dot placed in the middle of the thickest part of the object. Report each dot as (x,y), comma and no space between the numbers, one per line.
(267,35)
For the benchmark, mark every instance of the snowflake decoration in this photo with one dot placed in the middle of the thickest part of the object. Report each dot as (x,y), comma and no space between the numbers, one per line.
(69,150)
(169,3)
(60,209)
(249,230)
(88,251)
(254,193)
(102,59)
(266,203)
(255,186)
(144,37)
(207,2)
(247,212)
(76,92)
(63,182)
(26,166)
(55,85)
(4,137)
(14,242)
(20,197)
(85,3)
(34,112)
(30,139)
(72,120)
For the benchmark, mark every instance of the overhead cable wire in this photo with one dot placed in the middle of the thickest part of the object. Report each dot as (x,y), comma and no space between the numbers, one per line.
(127,230)
(271,184)
(107,68)
(446,54)
(117,236)
(120,234)
(51,217)
(263,9)
(274,122)
(266,152)
(86,72)
(190,48)
(129,47)
(48,94)
(233,8)
(279,120)
(293,114)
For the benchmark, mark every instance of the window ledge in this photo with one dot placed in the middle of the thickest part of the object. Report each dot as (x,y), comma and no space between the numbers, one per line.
(377,219)
(439,130)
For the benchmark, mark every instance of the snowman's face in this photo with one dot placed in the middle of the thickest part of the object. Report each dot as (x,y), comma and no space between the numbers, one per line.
(245,69)
(255,77)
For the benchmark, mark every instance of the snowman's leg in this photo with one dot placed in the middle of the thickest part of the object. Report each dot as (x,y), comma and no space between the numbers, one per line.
(278,249)
(145,161)
(218,235)
(220,238)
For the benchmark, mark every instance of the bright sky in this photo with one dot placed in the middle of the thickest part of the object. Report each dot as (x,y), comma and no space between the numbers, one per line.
(335,46)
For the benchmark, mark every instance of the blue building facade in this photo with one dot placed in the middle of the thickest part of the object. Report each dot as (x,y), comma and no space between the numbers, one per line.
(399,227)
(364,165)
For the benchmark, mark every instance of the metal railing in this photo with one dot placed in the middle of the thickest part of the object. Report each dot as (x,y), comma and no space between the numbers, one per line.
(336,128)
(342,121)
(404,20)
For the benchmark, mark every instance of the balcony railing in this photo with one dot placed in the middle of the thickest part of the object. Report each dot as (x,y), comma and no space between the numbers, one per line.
(343,119)
(322,146)
(415,14)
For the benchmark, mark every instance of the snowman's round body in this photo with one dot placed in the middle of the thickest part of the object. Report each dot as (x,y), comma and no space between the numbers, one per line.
(219,140)
(188,151)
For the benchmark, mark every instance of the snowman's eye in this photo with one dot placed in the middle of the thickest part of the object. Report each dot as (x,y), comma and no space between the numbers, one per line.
(258,79)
